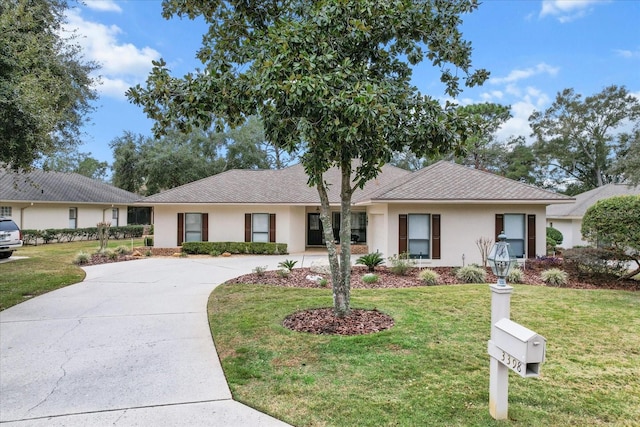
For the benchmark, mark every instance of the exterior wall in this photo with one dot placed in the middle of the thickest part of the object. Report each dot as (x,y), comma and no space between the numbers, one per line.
(461,226)
(44,216)
(571,231)
(226,223)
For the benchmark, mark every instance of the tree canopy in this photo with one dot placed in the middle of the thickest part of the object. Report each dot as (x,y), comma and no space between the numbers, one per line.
(579,139)
(45,87)
(330,76)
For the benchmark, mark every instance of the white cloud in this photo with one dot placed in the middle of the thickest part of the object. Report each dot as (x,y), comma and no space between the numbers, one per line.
(122,64)
(530,99)
(492,95)
(517,75)
(568,10)
(625,53)
(103,5)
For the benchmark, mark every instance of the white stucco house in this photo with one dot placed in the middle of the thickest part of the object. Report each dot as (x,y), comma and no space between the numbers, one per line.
(567,218)
(435,214)
(40,200)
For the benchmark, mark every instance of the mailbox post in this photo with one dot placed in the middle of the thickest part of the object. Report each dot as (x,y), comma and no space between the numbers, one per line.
(512,346)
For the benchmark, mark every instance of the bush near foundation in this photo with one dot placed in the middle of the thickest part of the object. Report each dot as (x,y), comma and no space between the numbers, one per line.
(261,248)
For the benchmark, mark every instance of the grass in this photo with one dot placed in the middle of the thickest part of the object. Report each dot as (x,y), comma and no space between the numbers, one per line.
(432,367)
(48,267)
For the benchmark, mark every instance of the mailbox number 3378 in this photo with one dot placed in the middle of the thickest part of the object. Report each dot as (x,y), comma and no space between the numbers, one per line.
(512,362)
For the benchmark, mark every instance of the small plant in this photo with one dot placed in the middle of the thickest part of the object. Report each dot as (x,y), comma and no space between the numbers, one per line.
(472,274)
(183,254)
(112,255)
(515,276)
(370,278)
(400,264)
(287,264)
(123,250)
(429,277)
(283,272)
(554,277)
(260,270)
(371,260)
(323,282)
(81,258)
(148,253)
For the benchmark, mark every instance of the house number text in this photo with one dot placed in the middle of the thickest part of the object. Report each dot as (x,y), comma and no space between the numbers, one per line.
(511,361)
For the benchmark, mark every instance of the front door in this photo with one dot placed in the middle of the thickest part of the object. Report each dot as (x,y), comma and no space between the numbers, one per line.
(315,235)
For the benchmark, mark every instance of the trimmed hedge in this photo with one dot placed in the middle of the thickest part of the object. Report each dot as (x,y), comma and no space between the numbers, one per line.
(60,235)
(206,248)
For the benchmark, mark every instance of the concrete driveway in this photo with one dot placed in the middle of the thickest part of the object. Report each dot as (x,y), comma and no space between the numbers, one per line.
(130,345)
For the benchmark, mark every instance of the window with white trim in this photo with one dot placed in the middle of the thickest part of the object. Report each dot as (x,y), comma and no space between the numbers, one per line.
(418,235)
(73,218)
(515,230)
(260,227)
(115,214)
(5,211)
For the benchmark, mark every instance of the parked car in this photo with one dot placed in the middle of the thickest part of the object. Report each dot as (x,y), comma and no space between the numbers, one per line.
(10,237)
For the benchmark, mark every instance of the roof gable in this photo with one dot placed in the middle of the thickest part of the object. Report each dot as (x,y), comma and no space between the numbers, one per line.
(587,199)
(44,186)
(448,181)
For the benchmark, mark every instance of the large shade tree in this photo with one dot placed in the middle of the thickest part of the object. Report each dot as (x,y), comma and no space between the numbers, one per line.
(329,76)
(46,88)
(578,138)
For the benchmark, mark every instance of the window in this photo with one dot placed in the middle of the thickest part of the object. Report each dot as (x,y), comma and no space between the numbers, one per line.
(418,234)
(193,227)
(114,217)
(514,229)
(260,228)
(5,211)
(73,217)
(358,227)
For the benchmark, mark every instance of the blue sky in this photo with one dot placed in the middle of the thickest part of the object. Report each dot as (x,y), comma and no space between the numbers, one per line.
(533,49)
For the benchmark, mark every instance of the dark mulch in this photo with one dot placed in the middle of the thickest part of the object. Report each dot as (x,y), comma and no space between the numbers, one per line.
(323,321)
(97,259)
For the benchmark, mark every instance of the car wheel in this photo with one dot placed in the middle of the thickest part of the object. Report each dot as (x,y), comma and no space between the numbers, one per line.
(6,254)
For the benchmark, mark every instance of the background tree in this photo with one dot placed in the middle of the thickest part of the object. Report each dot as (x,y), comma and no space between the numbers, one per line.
(45,87)
(74,161)
(614,222)
(331,76)
(628,160)
(128,172)
(577,139)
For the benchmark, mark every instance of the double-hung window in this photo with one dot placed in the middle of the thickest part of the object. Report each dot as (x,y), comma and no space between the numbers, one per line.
(5,211)
(515,230)
(114,217)
(73,218)
(260,227)
(418,235)
(193,227)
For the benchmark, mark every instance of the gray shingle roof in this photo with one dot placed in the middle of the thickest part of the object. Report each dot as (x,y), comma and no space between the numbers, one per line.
(41,186)
(589,198)
(284,186)
(447,181)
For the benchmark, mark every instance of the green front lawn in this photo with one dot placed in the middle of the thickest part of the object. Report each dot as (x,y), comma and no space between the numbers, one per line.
(432,367)
(48,267)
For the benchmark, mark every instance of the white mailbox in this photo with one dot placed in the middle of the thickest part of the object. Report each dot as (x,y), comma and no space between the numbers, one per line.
(521,349)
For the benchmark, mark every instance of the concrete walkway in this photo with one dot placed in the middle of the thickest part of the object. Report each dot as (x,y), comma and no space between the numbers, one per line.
(130,345)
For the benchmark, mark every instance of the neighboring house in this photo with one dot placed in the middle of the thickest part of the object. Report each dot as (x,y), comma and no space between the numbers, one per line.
(435,214)
(40,200)
(568,218)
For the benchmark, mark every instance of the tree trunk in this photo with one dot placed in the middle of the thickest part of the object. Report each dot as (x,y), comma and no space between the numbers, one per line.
(340,267)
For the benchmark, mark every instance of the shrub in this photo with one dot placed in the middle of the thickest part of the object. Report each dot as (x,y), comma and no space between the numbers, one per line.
(112,255)
(260,270)
(283,272)
(516,275)
(323,282)
(81,258)
(287,264)
(214,253)
(429,277)
(123,250)
(400,264)
(596,262)
(371,260)
(370,278)
(148,241)
(554,277)
(472,274)
(204,248)
(148,253)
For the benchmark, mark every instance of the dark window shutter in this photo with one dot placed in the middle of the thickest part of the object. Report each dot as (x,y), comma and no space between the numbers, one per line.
(272,228)
(205,227)
(499,225)
(435,236)
(402,234)
(247,227)
(531,236)
(180,229)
